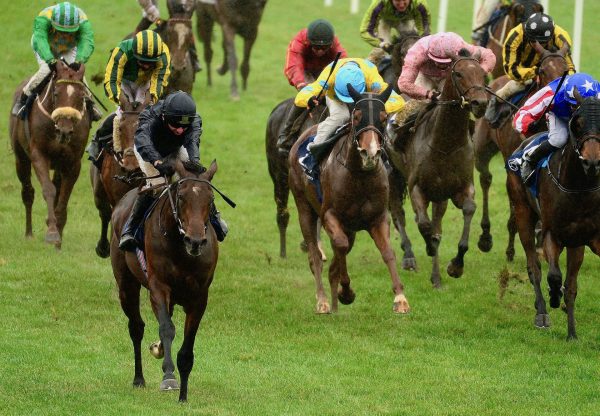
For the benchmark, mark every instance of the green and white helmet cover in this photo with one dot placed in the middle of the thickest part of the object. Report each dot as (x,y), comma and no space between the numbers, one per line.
(65,17)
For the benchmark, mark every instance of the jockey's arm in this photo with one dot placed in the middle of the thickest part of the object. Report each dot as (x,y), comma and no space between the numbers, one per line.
(193,145)
(85,45)
(561,37)
(294,63)
(415,58)
(160,75)
(513,67)
(313,89)
(113,74)
(143,136)
(422,18)
(531,111)
(375,82)
(40,43)
(370,22)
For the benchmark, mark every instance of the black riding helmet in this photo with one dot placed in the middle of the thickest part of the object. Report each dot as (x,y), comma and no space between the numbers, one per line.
(179,109)
(320,33)
(539,27)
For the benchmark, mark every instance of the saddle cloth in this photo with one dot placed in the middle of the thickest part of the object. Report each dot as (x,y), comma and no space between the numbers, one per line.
(515,160)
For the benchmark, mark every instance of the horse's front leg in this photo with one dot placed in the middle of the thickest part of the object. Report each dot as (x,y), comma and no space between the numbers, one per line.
(160,299)
(380,233)
(483,154)
(232,63)
(41,167)
(438,209)
(465,201)
(185,356)
(68,177)
(552,251)
(341,243)
(574,261)
(397,188)
(23,165)
(245,66)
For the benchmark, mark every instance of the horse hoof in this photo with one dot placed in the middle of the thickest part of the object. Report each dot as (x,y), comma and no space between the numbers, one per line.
(409,264)
(139,382)
(323,308)
(454,270)
(401,305)
(169,384)
(303,246)
(156,349)
(510,255)
(346,297)
(102,250)
(485,243)
(235,97)
(222,70)
(52,237)
(542,320)
(555,299)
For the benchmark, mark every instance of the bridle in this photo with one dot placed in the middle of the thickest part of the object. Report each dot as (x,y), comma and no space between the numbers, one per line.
(370,126)
(463,101)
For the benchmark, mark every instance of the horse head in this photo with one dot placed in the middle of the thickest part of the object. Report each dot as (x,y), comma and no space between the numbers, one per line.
(368,123)
(193,202)
(584,128)
(404,41)
(179,37)
(130,114)
(520,10)
(467,82)
(68,100)
(552,64)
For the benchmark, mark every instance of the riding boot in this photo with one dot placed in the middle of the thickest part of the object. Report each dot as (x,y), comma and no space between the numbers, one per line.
(102,135)
(287,137)
(218,223)
(95,112)
(20,104)
(140,206)
(194,58)
(530,161)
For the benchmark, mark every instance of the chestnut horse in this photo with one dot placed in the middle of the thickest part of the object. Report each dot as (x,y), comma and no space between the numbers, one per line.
(106,189)
(487,141)
(436,161)
(53,137)
(355,197)
(569,197)
(178,34)
(235,17)
(517,13)
(181,252)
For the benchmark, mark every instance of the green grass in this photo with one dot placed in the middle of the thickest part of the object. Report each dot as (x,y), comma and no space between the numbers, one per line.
(462,350)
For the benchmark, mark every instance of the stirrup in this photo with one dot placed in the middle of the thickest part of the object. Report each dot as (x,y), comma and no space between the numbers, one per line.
(127,243)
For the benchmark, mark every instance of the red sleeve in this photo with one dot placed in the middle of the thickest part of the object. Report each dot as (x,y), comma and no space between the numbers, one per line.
(337,47)
(294,63)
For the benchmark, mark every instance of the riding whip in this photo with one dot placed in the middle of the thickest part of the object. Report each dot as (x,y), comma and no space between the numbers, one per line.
(335,61)
(560,83)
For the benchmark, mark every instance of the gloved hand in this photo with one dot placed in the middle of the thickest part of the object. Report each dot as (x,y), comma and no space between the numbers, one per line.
(195,167)
(433,95)
(386,46)
(152,13)
(52,65)
(164,168)
(537,125)
(75,66)
(313,102)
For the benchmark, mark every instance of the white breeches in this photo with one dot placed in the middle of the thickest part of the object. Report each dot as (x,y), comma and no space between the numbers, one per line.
(338,115)
(149,170)
(44,70)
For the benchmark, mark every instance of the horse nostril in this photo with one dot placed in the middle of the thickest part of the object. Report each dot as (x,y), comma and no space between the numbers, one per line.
(203,242)
(475,103)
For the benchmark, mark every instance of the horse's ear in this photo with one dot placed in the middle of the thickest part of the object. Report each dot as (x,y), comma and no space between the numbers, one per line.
(517,11)
(353,93)
(386,94)
(577,96)
(212,169)
(81,70)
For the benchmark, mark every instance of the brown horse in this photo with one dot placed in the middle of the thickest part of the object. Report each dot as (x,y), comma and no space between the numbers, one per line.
(487,141)
(108,191)
(517,13)
(278,163)
(569,197)
(437,160)
(235,17)
(400,48)
(355,197)
(178,34)
(181,250)
(52,137)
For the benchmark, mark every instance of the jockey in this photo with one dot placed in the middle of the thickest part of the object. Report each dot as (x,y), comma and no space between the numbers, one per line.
(63,32)
(135,66)
(557,116)
(428,61)
(151,14)
(169,130)
(361,74)
(520,59)
(482,18)
(307,54)
(383,16)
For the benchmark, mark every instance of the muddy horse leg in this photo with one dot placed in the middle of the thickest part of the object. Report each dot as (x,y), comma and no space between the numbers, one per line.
(205,29)
(23,165)
(552,251)
(341,243)
(466,202)
(511,226)
(574,260)
(129,295)
(104,210)
(159,295)
(420,205)
(380,234)
(42,171)
(438,209)
(67,179)
(397,186)
(482,164)
(185,356)
(245,66)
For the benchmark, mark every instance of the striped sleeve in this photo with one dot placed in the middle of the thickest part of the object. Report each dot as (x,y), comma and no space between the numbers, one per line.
(40,42)
(114,74)
(512,58)
(368,27)
(423,20)
(160,76)
(533,109)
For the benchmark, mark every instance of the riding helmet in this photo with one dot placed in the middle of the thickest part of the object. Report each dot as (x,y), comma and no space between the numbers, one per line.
(442,43)
(584,83)
(539,27)
(349,73)
(147,46)
(65,17)
(320,32)
(179,109)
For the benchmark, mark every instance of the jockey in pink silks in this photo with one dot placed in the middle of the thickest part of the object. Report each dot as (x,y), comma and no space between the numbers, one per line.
(428,61)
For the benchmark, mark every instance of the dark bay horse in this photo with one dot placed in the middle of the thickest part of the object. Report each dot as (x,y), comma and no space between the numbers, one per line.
(400,47)
(235,17)
(278,163)
(106,189)
(488,141)
(517,13)
(355,197)
(436,161)
(181,252)
(178,34)
(53,137)
(569,197)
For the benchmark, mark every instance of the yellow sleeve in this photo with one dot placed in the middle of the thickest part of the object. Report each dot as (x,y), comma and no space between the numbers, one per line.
(511,52)
(160,75)
(114,74)
(375,82)
(314,88)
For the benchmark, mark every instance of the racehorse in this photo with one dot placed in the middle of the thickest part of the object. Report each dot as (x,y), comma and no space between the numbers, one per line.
(278,163)
(181,252)
(516,13)
(569,197)
(400,48)
(487,141)
(355,197)
(235,17)
(436,161)
(108,191)
(178,34)
(52,137)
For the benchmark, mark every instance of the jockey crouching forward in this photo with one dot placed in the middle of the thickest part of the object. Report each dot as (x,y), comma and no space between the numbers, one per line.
(168,131)
(63,32)
(362,75)
(557,117)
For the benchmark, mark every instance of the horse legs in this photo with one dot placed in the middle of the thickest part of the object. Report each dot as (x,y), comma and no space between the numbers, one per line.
(380,234)
(397,187)
(552,251)
(245,66)
(466,202)
(66,181)
(185,356)
(282,191)
(432,241)
(205,24)
(482,164)
(338,270)
(23,166)
(42,171)
(574,260)
(229,45)
(166,331)
(129,295)
(438,209)
(104,210)
(511,226)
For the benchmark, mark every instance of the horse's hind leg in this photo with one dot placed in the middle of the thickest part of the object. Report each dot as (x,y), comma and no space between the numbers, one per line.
(574,260)
(23,165)
(511,226)
(466,202)
(397,187)
(381,236)
(205,24)
(185,356)
(282,192)
(245,66)
(552,251)
(483,155)
(104,210)
(229,44)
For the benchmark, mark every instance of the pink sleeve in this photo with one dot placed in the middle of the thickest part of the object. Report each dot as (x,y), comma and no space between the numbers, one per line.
(415,57)
(487,58)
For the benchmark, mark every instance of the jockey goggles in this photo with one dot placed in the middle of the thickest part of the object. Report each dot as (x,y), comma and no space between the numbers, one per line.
(178,121)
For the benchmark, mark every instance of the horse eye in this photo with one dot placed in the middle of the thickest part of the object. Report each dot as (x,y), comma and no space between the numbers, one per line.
(458,74)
